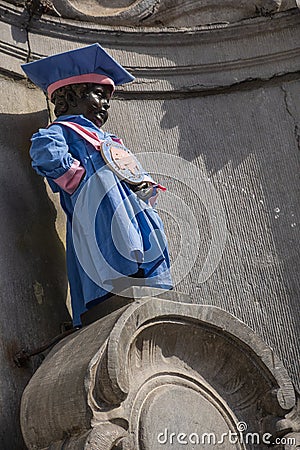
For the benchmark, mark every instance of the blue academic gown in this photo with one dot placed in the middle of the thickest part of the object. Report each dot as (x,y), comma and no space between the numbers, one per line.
(110,231)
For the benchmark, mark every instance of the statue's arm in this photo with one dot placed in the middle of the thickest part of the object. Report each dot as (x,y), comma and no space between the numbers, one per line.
(51,159)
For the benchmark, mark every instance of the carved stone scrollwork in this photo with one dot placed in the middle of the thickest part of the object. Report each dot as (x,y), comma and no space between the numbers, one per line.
(182,13)
(154,372)
(163,12)
(290,428)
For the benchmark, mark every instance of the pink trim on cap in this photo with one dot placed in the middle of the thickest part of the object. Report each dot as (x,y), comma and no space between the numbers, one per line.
(70,180)
(85,78)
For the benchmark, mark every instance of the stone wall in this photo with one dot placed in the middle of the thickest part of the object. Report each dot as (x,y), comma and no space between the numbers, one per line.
(155,373)
(224,98)
(33,279)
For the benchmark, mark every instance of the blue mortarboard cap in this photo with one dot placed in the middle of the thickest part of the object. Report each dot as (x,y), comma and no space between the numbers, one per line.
(91,64)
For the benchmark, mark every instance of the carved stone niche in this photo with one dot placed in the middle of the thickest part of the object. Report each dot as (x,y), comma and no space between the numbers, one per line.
(158,373)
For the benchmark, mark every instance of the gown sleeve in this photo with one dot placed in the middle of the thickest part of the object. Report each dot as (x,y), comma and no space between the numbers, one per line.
(51,158)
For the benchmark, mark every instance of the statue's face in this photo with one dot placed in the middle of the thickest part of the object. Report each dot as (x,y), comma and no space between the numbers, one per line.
(94,106)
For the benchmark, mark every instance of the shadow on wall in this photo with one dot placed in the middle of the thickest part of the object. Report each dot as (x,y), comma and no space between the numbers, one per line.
(32,266)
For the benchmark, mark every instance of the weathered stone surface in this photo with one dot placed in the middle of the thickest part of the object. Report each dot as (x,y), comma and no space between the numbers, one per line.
(170,13)
(224,99)
(128,296)
(152,370)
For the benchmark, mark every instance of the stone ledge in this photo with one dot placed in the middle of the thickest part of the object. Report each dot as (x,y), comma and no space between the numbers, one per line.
(160,13)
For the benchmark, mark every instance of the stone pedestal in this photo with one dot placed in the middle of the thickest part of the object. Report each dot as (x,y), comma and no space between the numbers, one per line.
(158,373)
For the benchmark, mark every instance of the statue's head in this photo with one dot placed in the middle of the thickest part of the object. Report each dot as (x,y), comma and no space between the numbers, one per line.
(88,99)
